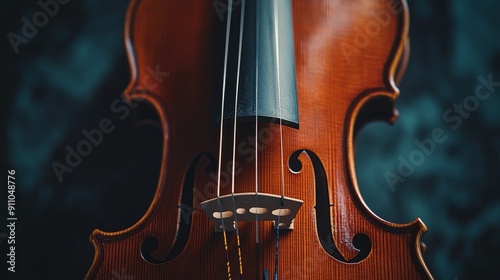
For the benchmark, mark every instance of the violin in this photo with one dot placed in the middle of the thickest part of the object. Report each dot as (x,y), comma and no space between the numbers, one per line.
(259,103)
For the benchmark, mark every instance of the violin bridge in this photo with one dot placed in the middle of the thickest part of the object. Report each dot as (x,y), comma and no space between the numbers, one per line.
(252,207)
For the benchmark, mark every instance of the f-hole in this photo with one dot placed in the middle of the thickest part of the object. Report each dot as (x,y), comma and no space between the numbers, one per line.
(150,243)
(322,207)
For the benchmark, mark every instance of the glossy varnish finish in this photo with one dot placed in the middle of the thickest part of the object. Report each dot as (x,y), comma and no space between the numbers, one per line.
(347,53)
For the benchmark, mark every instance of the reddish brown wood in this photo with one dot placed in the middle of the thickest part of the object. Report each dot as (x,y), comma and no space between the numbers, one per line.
(342,82)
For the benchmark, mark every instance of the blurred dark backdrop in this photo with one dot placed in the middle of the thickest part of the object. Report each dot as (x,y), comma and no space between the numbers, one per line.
(65,78)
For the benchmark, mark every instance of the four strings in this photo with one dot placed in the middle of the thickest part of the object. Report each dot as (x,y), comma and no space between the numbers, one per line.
(228,29)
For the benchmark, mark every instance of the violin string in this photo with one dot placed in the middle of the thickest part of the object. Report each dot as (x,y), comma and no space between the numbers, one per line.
(256,133)
(276,38)
(219,168)
(240,43)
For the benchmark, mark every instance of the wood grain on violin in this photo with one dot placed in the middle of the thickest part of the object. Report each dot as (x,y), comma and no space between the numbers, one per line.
(259,114)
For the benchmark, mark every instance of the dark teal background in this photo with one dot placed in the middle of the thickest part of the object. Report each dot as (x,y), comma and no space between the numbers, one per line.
(67,76)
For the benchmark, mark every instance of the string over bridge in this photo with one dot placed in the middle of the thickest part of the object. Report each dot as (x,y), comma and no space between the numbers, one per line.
(248,205)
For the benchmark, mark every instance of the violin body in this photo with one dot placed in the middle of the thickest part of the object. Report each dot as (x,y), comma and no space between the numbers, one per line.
(347,55)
